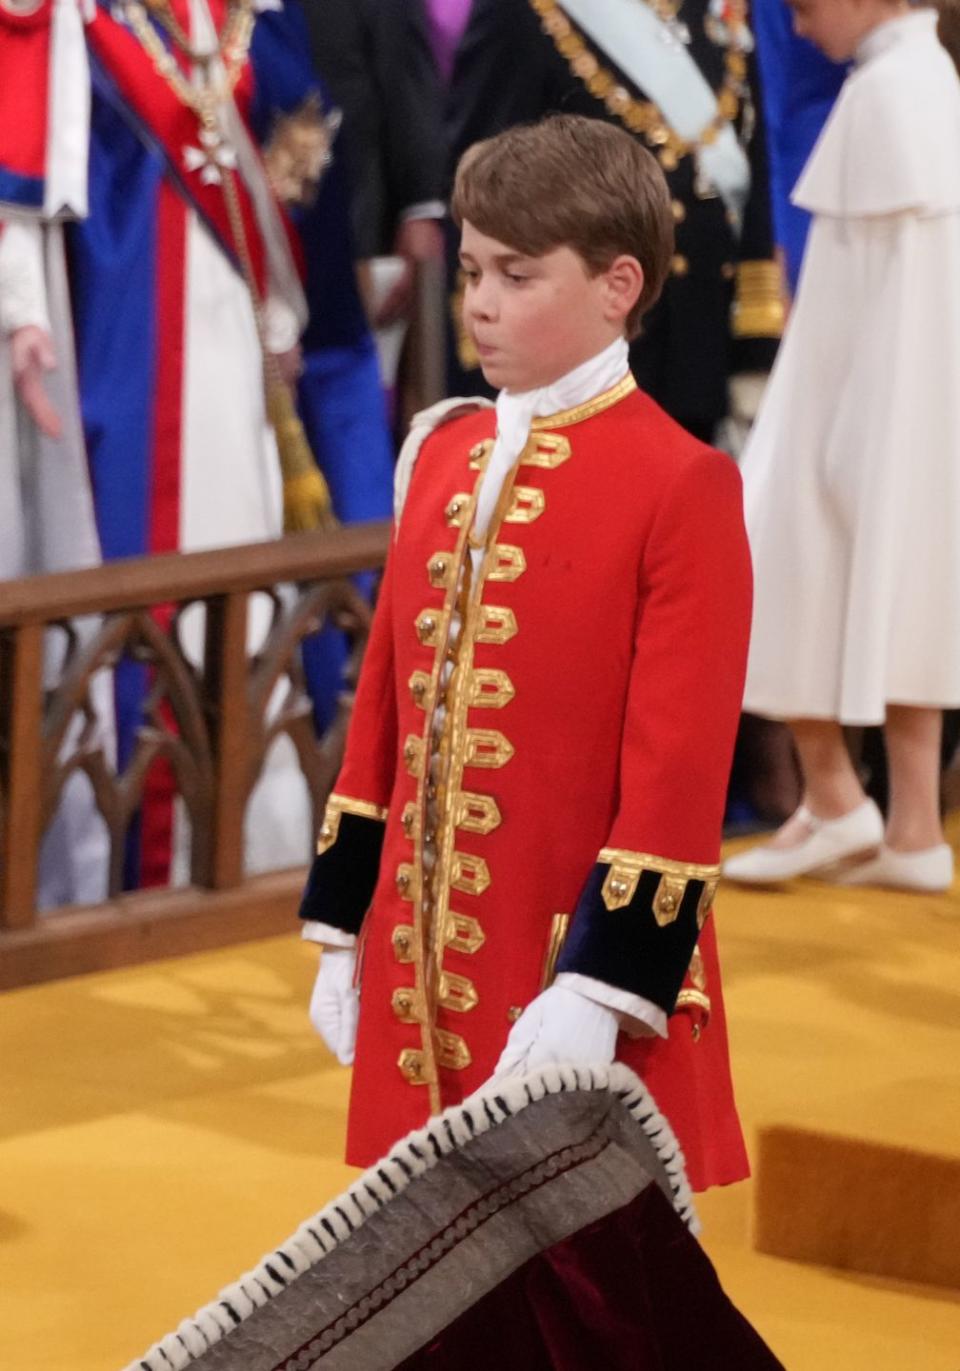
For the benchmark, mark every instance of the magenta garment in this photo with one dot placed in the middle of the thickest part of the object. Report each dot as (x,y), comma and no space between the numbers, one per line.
(448,23)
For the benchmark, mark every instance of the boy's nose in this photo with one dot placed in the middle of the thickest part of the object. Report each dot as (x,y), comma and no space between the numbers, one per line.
(480,301)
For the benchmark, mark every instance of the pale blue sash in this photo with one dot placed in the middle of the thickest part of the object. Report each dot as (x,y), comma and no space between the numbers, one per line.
(643,47)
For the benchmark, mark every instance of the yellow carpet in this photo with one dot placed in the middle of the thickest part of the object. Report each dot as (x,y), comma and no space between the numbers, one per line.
(160,1128)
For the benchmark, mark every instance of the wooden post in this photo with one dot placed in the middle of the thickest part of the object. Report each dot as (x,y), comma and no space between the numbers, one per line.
(429,338)
(21,722)
(227,691)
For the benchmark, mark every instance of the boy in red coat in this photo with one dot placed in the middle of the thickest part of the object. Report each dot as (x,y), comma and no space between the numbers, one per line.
(518,862)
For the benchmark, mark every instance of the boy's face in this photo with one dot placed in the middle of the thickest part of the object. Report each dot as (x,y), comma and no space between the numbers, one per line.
(838,27)
(533,319)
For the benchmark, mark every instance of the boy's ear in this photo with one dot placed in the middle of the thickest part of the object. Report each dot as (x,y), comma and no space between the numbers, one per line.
(623,286)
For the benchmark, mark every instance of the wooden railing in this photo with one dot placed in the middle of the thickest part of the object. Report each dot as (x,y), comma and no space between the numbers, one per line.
(213,715)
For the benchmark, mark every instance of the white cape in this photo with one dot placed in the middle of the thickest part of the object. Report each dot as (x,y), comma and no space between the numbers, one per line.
(852,474)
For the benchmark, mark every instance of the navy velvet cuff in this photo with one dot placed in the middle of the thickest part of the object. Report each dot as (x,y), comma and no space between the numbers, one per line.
(342,879)
(626,947)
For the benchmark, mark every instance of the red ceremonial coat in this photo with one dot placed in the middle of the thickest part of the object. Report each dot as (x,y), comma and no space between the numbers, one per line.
(568,816)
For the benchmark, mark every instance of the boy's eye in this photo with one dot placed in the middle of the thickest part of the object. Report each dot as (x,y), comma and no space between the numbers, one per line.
(516,276)
(470,273)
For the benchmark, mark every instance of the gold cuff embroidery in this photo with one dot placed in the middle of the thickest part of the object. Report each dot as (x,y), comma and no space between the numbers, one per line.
(344,804)
(626,868)
(759,310)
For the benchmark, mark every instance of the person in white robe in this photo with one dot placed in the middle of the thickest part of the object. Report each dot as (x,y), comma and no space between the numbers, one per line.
(852,474)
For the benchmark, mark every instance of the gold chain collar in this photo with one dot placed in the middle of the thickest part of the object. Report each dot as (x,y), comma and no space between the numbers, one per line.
(233,48)
(643,117)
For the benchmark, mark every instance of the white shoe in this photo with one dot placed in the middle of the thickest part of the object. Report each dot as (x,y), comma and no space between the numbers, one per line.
(859,833)
(929,870)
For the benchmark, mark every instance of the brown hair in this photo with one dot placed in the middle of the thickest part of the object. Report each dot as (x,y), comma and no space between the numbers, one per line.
(948,28)
(569,181)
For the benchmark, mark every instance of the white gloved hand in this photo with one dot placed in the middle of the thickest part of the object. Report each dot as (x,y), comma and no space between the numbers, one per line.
(559,1026)
(746,393)
(335,1002)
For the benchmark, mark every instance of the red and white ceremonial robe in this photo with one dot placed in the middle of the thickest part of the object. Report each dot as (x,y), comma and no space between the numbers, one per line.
(567,816)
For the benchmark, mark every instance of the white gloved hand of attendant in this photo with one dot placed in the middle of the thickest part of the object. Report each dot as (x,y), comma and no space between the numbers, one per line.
(335,1002)
(559,1026)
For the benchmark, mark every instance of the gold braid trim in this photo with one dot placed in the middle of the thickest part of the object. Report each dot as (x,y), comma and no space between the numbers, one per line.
(626,868)
(643,117)
(758,310)
(567,417)
(344,804)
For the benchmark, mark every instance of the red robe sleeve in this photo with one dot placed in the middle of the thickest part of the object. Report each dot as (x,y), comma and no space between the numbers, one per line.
(345,869)
(649,893)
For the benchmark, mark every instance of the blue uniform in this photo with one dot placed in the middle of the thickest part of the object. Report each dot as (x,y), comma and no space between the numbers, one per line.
(799,88)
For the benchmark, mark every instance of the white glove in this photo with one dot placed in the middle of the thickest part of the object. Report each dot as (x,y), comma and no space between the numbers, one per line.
(559,1026)
(746,394)
(335,1002)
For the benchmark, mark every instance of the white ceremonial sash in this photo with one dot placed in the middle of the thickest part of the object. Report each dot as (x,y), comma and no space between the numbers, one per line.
(643,47)
(283,278)
(68,135)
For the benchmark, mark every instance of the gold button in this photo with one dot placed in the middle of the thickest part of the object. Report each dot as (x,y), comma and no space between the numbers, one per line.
(679,211)
(667,904)
(404,1003)
(410,1063)
(408,820)
(426,627)
(679,266)
(618,888)
(403,942)
(326,833)
(403,881)
(513,1013)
